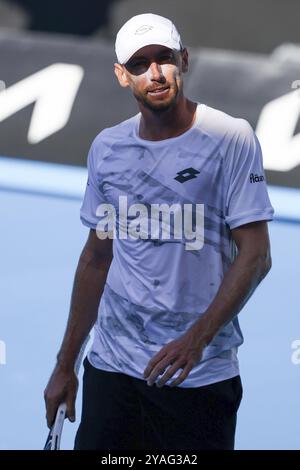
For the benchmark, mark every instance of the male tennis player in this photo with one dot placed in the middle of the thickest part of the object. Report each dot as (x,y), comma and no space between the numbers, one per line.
(177,206)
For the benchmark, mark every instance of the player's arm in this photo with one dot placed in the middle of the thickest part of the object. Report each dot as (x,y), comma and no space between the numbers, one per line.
(89,281)
(250,266)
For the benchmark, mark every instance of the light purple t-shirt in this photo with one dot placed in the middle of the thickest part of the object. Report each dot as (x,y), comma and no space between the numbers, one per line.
(157,287)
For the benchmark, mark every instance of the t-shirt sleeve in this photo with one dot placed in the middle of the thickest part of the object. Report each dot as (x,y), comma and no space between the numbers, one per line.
(247,198)
(93,195)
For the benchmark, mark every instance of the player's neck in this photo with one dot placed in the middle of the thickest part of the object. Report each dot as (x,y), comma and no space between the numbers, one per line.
(170,123)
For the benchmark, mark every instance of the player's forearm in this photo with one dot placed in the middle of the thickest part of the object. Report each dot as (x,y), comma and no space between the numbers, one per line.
(239,283)
(88,286)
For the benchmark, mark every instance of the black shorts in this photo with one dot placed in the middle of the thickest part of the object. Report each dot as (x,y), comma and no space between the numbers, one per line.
(120,412)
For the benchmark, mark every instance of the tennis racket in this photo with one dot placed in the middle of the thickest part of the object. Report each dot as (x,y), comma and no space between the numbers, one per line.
(54,436)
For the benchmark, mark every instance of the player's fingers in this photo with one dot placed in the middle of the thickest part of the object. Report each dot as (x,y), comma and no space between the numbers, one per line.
(187,369)
(153,361)
(170,372)
(70,412)
(159,369)
(51,408)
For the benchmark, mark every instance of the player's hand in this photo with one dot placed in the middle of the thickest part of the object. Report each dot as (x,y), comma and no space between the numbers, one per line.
(182,353)
(62,387)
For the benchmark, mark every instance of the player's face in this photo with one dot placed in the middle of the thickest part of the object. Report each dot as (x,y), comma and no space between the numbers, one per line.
(154,74)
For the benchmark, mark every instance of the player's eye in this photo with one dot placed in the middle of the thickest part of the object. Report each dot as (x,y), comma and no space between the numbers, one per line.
(138,67)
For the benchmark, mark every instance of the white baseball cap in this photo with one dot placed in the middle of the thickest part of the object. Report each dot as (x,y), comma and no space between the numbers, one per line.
(143,30)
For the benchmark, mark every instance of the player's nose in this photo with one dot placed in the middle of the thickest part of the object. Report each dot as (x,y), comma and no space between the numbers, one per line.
(155,71)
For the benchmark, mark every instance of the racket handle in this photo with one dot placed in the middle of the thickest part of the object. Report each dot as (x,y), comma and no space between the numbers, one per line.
(58,425)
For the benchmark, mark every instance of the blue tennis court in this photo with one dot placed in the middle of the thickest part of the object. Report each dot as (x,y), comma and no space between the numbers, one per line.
(42,238)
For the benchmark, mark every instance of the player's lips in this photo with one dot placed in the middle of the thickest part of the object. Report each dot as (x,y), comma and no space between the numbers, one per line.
(158,91)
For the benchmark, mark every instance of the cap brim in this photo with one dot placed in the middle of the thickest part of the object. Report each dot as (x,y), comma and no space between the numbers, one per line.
(148,43)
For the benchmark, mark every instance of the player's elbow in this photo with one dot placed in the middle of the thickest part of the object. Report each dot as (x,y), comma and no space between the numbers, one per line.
(268,262)
(265,263)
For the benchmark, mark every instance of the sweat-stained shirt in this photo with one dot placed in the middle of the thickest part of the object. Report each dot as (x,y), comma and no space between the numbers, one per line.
(158,286)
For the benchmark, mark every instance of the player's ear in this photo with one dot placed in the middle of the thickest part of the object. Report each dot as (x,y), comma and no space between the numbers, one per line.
(121,75)
(185,59)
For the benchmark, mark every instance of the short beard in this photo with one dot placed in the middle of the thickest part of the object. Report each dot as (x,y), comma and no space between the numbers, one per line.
(159,107)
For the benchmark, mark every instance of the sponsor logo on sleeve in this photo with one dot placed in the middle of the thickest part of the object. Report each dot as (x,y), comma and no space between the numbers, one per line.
(254,178)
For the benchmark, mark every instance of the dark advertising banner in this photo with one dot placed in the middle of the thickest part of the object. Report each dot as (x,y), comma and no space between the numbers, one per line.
(56,94)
